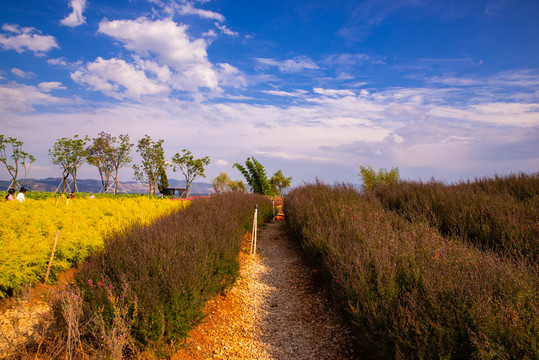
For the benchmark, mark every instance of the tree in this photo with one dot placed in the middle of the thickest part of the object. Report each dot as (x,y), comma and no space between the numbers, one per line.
(255,175)
(163,180)
(109,153)
(121,156)
(189,166)
(371,179)
(19,158)
(279,182)
(99,155)
(222,183)
(69,154)
(153,159)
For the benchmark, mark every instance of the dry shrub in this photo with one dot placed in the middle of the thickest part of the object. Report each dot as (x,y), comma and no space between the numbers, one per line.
(408,291)
(149,284)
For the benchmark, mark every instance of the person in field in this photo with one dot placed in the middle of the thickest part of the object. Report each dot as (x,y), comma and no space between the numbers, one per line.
(10,195)
(21,196)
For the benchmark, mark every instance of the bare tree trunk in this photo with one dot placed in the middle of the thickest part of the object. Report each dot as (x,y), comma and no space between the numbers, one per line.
(116,182)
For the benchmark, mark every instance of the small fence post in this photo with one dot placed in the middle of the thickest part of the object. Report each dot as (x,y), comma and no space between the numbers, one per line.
(253,233)
(52,256)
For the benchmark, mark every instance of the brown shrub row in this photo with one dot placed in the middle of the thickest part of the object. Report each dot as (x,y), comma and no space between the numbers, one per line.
(500,213)
(148,286)
(407,291)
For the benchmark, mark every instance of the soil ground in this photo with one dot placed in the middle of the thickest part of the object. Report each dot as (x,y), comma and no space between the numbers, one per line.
(275,311)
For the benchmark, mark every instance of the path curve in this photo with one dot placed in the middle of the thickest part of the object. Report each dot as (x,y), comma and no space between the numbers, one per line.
(273,312)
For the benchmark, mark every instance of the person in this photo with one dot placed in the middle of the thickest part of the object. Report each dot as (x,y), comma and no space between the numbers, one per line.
(10,194)
(91,196)
(72,195)
(20,196)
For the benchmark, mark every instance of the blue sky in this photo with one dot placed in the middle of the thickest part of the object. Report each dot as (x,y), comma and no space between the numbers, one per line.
(444,89)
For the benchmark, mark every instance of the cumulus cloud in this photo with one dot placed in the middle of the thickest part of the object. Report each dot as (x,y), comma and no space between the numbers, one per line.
(118,79)
(172,46)
(26,38)
(75,18)
(296,64)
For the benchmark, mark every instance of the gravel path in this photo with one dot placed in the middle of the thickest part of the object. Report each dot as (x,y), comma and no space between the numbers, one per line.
(273,312)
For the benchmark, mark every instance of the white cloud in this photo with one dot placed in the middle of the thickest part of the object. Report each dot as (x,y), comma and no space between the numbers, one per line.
(334,93)
(23,98)
(295,93)
(26,38)
(23,74)
(226,30)
(498,113)
(118,79)
(189,9)
(51,85)
(296,64)
(58,61)
(220,162)
(171,44)
(75,18)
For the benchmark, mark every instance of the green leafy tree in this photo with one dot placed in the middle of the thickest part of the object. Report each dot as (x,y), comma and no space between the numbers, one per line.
(13,158)
(153,159)
(279,182)
(256,177)
(69,154)
(223,183)
(237,186)
(109,153)
(370,179)
(120,156)
(189,166)
(98,154)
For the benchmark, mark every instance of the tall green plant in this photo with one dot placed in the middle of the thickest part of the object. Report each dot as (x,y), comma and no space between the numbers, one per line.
(255,175)
(371,179)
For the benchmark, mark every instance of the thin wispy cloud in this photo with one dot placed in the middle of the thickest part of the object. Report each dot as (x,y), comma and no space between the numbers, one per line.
(296,64)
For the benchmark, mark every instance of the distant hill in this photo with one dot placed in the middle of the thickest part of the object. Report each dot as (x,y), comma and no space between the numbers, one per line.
(91,185)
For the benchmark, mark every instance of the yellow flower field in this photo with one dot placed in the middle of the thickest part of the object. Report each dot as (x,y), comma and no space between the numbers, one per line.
(28,229)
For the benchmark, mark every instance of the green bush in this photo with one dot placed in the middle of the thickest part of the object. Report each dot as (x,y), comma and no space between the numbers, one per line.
(171,267)
(409,292)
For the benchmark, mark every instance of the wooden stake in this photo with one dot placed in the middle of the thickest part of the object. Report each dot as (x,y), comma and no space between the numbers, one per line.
(253,233)
(52,256)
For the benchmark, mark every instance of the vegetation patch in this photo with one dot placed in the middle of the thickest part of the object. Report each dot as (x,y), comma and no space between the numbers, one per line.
(407,290)
(156,278)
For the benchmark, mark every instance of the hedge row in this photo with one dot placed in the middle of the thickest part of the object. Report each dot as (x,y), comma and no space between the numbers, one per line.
(407,291)
(499,213)
(165,272)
